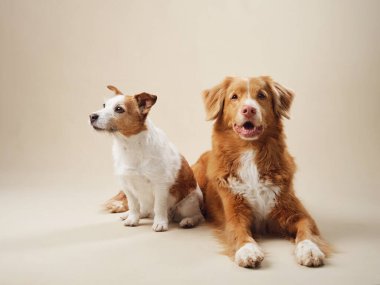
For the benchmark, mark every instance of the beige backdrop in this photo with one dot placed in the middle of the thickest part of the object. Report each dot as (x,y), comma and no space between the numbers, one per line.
(56,57)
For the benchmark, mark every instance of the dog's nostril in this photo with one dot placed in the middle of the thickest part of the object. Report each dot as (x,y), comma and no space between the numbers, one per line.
(248,109)
(93,117)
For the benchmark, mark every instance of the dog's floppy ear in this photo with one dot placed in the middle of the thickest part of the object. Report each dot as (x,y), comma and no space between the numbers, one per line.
(214,99)
(145,101)
(114,90)
(283,98)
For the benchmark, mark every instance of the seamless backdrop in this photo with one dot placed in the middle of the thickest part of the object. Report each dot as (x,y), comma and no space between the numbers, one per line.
(56,58)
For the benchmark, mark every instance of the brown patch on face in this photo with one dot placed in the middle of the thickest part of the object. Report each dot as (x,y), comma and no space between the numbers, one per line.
(185,181)
(132,121)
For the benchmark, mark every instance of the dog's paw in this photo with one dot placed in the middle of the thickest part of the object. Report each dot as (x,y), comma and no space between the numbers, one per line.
(191,222)
(309,254)
(124,216)
(249,255)
(131,220)
(160,226)
(187,223)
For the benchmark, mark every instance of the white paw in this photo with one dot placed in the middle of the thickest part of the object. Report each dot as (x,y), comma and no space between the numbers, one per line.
(160,226)
(187,223)
(309,254)
(125,216)
(249,255)
(131,221)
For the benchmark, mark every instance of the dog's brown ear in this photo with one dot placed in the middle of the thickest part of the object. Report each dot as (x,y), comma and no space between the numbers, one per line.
(283,98)
(214,99)
(114,90)
(145,101)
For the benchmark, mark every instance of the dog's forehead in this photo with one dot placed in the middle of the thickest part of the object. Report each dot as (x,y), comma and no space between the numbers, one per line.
(239,85)
(256,84)
(242,84)
(115,100)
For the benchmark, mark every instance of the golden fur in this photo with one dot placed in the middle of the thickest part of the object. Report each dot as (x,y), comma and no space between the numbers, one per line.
(231,213)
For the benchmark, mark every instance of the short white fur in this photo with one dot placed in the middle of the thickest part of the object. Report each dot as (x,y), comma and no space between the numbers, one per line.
(249,255)
(108,112)
(308,253)
(147,165)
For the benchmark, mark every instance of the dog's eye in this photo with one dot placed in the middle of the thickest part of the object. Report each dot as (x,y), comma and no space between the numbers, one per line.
(261,96)
(119,110)
(234,97)
(104,105)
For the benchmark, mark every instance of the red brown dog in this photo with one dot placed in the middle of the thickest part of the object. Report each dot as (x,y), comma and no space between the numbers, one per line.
(247,177)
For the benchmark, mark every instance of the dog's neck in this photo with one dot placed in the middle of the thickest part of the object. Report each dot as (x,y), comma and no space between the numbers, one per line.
(139,139)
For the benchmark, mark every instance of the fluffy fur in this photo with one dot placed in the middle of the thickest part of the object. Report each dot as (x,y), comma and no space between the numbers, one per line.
(157,180)
(247,177)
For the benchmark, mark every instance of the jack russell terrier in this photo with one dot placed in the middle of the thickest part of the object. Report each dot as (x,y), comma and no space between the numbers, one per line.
(156,178)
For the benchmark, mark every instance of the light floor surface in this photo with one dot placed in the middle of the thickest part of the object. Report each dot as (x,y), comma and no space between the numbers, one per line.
(54,232)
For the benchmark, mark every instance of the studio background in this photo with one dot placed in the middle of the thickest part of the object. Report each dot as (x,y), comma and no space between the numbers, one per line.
(56,58)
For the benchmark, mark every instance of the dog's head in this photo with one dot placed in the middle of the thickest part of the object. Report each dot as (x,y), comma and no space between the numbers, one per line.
(123,113)
(248,106)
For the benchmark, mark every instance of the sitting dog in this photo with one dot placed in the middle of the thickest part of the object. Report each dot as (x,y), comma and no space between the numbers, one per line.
(157,180)
(247,177)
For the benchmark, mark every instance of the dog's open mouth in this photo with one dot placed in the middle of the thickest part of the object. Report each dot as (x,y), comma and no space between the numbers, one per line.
(248,130)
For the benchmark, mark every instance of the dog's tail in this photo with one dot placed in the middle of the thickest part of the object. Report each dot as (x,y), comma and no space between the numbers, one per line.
(117,204)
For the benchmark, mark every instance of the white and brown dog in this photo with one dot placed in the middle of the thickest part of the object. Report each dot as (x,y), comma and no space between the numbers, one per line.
(247,177)
(157,180)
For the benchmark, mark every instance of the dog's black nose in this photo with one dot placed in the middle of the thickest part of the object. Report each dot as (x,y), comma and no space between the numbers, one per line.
(93,117)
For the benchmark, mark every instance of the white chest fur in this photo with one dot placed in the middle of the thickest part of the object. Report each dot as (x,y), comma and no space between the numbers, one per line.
(149,154)
(260,194)
(146,162)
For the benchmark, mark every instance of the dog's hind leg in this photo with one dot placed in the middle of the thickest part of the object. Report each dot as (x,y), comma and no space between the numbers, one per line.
(188,211)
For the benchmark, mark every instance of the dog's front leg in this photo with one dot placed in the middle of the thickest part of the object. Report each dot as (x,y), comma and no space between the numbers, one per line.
(238,221)
(132,216)
(292,217)
(309,244)
(160,222)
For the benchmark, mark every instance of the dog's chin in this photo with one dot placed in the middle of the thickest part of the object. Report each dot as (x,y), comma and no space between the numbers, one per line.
(99,129)
(248,130)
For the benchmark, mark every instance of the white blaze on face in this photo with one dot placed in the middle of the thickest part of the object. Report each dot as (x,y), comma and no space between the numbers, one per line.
(108,111)
(253,103)
(248,92)
(240,119)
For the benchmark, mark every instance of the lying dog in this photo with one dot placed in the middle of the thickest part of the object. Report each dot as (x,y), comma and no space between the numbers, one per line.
(247,177)
(157,180)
